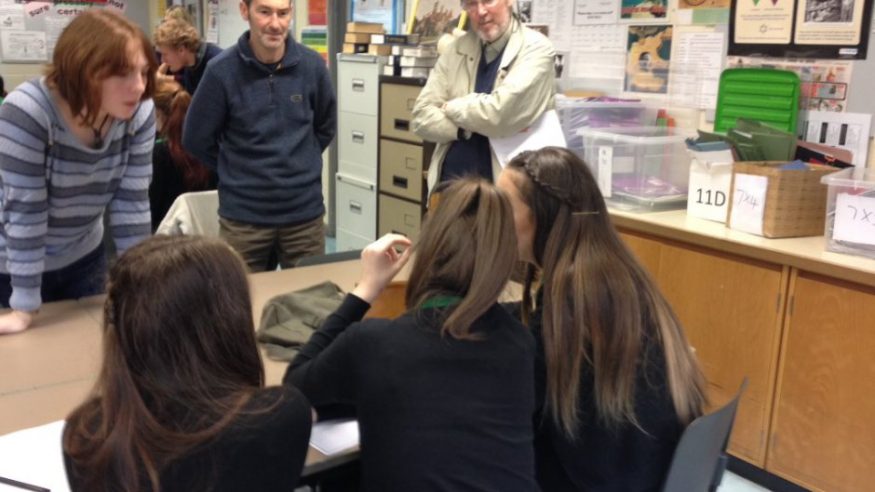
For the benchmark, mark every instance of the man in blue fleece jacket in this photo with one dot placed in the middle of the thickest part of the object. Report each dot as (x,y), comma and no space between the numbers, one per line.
(263,114)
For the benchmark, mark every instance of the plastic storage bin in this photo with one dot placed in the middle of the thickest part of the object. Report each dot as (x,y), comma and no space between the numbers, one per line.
(850,211)
(576,113)
(639,169)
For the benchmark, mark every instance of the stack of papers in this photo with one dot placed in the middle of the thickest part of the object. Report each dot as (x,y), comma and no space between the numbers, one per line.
(33,457)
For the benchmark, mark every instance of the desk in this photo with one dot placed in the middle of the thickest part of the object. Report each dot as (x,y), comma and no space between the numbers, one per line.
(49,369)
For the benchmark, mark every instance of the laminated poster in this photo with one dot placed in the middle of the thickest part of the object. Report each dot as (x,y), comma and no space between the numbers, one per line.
(648,59)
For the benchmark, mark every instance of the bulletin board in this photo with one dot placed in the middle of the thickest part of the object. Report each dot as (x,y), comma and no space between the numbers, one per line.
(612,46)
(832,29)
(29,31)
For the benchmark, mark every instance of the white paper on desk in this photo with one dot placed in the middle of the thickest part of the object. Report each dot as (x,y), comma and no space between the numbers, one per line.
(334,436)
(546,131)
(34,456)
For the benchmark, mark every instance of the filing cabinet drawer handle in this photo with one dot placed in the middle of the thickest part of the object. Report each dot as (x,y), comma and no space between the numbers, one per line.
(358,137)
(399,181)
(355,207)
(394,231)
(358,85)
(402,125)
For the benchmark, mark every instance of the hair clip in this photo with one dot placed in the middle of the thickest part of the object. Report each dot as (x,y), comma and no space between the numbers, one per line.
(588,212)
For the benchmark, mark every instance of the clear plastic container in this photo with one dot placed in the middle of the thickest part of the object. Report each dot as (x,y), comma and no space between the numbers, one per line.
(576,113)
(850,211)
(639,169)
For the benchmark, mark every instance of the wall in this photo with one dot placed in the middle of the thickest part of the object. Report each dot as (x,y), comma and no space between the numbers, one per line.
(15,73)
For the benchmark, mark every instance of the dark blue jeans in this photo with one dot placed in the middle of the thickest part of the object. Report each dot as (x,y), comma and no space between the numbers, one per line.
(84,277)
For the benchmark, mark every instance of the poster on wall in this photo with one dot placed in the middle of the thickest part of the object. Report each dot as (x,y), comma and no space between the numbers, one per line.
(317,12)
(24,46)
(644,10)
(379,11)
(648,59)
(831,29)
(589,12)
(431,18)
(703,4)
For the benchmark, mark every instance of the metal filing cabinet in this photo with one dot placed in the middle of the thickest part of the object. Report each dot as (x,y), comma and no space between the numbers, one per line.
(403,159)
(357,151)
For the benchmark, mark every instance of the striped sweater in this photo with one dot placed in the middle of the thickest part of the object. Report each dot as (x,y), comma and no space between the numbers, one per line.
(55,189)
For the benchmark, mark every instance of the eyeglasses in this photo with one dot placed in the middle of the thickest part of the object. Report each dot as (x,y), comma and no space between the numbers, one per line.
(473,4)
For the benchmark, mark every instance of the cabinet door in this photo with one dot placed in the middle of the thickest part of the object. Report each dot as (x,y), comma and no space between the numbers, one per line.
(646,250)
(357,81)
(396,111)
(401,169)
(731,309)
(823,430)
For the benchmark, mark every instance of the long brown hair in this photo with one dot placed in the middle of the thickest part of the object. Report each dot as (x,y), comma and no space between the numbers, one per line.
(179,362)
(467,248)
(172,101)
(599,305)
(92,48)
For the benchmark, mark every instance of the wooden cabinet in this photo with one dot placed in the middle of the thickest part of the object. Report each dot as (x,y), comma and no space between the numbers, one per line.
(731,309)
(823,430)
(797,321)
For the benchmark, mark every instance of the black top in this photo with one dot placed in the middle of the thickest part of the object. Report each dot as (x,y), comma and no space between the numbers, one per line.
(600,458)
(261,450)
(191,76)
(168,182)
(435,413)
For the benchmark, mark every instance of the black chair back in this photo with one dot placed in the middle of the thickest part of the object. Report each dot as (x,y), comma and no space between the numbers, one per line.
(700,457)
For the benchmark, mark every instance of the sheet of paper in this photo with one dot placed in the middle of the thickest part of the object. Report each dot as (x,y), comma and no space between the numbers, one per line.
(12,17)
(749,203)
(854,219)
(545,132)
(557,14)
(697,64)
(587,12)
(34,456)
(334,436)
(23,45)
(848,131)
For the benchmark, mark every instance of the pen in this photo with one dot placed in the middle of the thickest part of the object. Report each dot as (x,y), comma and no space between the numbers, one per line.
(22,485)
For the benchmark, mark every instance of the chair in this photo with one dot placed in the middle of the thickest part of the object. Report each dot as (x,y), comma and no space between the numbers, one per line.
(700,457)
(192,213)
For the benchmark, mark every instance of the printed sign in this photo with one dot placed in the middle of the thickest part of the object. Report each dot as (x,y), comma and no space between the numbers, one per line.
(708,192)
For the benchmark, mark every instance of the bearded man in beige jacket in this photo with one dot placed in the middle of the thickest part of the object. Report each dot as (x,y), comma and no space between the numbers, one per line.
(492,82)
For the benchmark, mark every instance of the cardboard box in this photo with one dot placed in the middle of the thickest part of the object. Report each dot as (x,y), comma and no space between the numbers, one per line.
(773,202)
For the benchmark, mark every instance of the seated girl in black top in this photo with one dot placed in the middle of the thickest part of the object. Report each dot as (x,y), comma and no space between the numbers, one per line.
(179,403)
(174,171)
(444,393)
(616,377)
